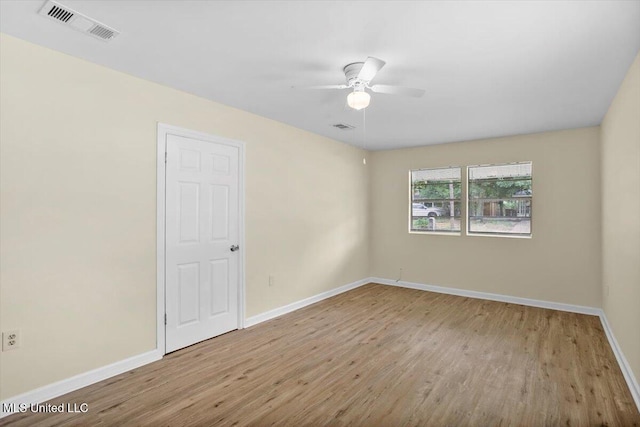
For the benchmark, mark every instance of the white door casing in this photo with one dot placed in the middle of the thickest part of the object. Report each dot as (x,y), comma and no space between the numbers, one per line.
(202,224)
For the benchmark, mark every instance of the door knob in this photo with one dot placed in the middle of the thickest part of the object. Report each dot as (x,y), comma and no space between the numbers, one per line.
(234,248)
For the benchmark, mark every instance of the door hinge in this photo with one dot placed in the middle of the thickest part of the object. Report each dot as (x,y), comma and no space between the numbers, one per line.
(165,157)
(165,318)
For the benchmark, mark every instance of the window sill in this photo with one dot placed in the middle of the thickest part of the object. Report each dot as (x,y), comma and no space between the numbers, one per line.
(436,233)
(508,236)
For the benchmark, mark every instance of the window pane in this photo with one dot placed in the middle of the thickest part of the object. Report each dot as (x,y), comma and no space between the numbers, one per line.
(435,200)
(425,220)
(500,199)
(423,192)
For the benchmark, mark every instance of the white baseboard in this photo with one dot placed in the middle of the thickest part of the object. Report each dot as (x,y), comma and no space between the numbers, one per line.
(276,312)
(622,361)
(492,297)
(68,385)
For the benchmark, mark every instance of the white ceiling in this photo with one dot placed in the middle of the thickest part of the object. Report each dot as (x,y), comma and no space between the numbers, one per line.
(490,68)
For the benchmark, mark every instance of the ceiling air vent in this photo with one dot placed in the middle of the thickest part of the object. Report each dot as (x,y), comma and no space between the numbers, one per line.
(70,18)
(60,14)
(102,32)
(343,126)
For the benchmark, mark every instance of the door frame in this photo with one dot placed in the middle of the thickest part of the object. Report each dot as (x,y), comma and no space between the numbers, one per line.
(163,131)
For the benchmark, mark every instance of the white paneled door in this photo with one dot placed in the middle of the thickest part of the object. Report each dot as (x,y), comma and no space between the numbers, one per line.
(201,237)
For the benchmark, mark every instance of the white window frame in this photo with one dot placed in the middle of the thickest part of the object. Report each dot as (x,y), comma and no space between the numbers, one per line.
(410,210)
(498,234)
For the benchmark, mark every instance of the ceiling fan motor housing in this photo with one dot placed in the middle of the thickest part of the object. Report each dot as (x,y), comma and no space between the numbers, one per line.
(351,72)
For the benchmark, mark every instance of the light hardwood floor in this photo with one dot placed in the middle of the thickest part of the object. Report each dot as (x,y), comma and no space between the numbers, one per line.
(376,356)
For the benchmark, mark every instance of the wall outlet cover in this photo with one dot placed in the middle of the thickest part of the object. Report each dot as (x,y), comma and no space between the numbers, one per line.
(10,340)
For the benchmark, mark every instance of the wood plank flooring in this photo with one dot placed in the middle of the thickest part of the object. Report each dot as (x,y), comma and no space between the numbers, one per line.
(375,356)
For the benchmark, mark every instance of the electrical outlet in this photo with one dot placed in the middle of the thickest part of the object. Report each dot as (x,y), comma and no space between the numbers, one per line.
(10,340)
(271,280)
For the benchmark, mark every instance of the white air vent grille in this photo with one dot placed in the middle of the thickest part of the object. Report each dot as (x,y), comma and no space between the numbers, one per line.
(343,126)
(60,14)
(102,32)
(70,18)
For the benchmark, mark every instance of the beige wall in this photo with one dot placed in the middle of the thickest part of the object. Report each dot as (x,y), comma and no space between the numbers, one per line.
(560,263)
(78,209)
(620,133)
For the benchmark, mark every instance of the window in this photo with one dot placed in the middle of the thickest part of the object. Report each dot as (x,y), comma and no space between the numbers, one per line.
(435,200)
(500,199)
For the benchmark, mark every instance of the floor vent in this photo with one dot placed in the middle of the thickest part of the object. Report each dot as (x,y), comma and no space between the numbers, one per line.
(343,126)
(70,18)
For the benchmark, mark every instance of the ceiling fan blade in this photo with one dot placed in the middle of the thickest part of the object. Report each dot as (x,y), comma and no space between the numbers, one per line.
(370,68)
(398,90)
(321,87)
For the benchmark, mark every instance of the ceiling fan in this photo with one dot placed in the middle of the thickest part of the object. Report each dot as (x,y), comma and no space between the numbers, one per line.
(359,76)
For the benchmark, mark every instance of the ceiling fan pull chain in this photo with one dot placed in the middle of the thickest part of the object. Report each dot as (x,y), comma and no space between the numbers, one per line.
(364,135)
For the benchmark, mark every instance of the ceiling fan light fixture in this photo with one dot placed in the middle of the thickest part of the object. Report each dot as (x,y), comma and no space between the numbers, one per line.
(358,99)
